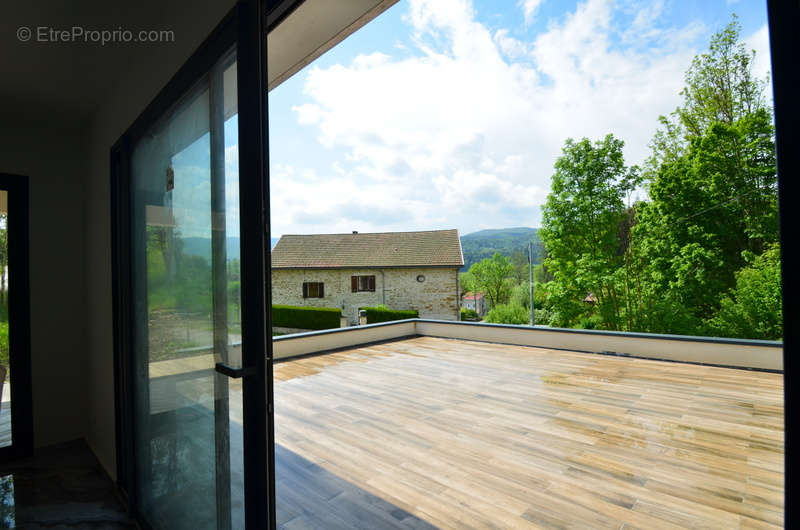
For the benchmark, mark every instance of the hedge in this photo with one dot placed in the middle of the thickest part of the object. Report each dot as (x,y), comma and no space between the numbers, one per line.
(383,314)
(287,316)
(469,314)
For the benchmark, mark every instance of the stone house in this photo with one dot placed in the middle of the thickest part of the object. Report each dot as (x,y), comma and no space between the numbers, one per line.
(402,270)
(474,301)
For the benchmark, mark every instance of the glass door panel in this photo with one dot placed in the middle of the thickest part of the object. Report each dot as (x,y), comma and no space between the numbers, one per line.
(5,358)
(185,286)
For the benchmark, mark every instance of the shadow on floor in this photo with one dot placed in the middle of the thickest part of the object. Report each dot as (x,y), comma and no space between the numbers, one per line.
(61,486)
(309,496)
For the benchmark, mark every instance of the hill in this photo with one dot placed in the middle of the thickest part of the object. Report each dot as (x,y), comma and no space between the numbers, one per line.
(484,243)
(201,246)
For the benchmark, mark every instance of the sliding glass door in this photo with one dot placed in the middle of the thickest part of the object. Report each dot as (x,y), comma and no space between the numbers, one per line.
(192,352)
(185,247)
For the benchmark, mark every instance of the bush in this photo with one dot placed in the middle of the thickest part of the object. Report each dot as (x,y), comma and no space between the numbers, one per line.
(752,309)
(469,314)
(288,316)
(591,322)
(508,314)
(382,313)
(542,316)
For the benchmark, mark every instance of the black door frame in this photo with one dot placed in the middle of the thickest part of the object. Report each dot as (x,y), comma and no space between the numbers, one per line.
(784,19)
(19,319)
(243,27)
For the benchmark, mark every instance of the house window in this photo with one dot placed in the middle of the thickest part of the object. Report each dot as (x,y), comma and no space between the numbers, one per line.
(313,290)
(362,283)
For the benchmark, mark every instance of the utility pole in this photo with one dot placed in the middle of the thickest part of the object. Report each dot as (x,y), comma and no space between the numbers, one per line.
(530,276)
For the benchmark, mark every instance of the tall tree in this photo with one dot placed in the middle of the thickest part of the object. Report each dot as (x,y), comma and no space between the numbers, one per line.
(712,179)
(581,228)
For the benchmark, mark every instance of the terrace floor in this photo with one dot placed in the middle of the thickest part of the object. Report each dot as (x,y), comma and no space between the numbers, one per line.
(448,433)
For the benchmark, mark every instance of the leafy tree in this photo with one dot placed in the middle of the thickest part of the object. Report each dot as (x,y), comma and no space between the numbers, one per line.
(709,228)
(712,181)
(752,309)
(541,274)
(581,228)
(521,295)
(519,260)
(490,276)
(720,85)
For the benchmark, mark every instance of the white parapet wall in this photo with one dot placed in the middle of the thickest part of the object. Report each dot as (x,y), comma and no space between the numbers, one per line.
(765,355)
(318,341)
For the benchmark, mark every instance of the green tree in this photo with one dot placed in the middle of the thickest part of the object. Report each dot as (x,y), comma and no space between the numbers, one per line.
(581,228)
(712,181)
(521,295)
(752,309)
(491,276)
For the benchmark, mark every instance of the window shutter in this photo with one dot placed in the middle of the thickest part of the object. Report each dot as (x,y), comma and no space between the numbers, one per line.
(354,283)
(321,290)
(372,283)
(305,289)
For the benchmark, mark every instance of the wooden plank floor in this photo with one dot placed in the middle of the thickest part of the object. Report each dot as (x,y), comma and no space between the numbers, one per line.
(460,434)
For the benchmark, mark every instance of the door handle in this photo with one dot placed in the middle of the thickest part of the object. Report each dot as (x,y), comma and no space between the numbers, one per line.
(234,373)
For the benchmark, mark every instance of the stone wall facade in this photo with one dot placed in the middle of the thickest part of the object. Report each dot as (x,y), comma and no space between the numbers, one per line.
(436,297)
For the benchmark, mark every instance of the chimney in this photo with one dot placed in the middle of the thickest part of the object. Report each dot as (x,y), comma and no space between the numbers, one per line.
(355,231)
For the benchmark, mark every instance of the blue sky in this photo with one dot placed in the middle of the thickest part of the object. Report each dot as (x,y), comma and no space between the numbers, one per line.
(450,113)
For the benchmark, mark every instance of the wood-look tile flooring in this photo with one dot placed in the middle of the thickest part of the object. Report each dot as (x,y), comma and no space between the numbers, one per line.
(460,434)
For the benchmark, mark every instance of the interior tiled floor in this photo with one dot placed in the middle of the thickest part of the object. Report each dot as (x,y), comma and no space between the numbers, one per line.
(62,486)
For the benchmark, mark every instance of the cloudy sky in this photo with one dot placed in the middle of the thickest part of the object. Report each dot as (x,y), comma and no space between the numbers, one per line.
(450,113)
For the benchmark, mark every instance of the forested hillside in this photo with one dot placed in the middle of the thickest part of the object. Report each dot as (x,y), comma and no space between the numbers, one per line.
(510,242)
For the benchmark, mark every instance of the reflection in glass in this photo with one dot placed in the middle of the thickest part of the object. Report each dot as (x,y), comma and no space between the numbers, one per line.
(7,505)
(5,367)
(185,273)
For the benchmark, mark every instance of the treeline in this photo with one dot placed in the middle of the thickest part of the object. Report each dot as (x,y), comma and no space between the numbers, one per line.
(700,254)
(511,242)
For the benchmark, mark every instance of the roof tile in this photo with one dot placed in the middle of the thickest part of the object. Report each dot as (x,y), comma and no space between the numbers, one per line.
(434,248)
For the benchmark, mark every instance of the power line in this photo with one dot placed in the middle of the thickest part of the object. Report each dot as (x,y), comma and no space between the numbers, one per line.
(701,212)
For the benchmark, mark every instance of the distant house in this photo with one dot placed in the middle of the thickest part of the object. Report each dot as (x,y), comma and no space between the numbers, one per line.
(402,270)
(474,301)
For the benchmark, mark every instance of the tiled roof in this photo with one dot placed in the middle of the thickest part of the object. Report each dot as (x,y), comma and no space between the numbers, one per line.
(434,248)
(472,296)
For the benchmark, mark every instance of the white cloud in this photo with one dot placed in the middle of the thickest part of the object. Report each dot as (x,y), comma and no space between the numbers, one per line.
(529,9)
(465,133)
(759,42)
(511,47)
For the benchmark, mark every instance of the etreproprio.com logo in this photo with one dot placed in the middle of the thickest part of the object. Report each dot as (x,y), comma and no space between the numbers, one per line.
(97,36)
